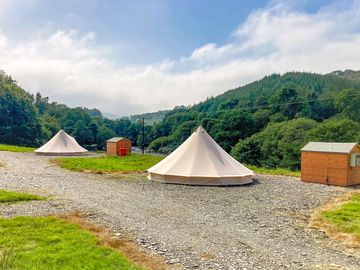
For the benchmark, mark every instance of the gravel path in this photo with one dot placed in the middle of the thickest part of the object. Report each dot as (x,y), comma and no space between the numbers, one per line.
(258,226)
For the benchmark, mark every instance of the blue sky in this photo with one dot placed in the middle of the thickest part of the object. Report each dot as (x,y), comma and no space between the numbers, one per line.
(98,53)
(140,31)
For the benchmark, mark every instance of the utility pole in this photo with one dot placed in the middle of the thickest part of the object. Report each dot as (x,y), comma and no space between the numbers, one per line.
(143,135)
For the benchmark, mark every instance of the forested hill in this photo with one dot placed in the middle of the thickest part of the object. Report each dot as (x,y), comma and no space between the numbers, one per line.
(267,122)
(150,118)
(347,74)
(306,85)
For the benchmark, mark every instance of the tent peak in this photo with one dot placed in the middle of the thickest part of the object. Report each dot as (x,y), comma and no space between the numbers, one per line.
(200,129)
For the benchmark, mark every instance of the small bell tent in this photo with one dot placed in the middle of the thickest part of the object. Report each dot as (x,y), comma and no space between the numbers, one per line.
(200,161)
(61,144)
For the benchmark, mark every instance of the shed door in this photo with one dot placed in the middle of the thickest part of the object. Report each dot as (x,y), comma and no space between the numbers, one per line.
(337,169)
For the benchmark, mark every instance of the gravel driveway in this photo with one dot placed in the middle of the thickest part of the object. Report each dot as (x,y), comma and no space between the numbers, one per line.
(258,226)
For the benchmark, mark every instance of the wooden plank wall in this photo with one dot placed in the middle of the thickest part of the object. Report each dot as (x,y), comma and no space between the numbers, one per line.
(125,144)
(325,168)
(111,148)
(355,171)
(354,175)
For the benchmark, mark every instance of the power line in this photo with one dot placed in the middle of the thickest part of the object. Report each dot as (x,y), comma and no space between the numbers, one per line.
(287,103)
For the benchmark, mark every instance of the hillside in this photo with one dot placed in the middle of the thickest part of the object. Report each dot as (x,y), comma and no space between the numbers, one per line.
(347,74)
(305,84)
(266,122)
(150,118)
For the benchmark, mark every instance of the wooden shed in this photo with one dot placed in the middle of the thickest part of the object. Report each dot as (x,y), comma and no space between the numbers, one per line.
(331,163)
(118,146)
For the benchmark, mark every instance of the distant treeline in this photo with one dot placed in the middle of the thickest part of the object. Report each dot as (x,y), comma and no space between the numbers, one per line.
(264,123)
(149,118)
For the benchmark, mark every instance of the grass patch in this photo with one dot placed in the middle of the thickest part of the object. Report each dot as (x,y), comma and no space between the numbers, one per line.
(11,196)
(277,171)
(127,164)
(14,148)
(52,243)
(340,219)
(125,243)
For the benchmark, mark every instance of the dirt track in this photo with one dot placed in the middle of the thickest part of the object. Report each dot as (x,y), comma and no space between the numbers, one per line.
(258,226)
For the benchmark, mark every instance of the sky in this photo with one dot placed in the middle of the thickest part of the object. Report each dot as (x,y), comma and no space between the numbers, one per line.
(137,56)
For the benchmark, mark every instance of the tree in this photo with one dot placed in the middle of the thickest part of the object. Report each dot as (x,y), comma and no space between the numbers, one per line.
(20,123)
(184,131)
(229,104)
(94,129)
(104,133)
(232,126)
(41,102)
(278,145)
(336,130)
(159,143)
(287,102)
(347,102)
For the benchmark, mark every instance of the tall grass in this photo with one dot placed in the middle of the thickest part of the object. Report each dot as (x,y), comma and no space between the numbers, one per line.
(346,217)
(7,258)
(277,171)
(107,164)
(51,243)
(340,219)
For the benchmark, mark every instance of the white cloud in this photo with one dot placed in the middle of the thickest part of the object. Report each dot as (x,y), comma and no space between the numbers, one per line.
(73,69)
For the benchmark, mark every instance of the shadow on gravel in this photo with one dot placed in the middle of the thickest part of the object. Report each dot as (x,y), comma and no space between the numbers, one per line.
(255,182)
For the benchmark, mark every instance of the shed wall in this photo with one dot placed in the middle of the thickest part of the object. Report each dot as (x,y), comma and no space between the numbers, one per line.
(325,168)
(354,172)
(112,148)
(124,144)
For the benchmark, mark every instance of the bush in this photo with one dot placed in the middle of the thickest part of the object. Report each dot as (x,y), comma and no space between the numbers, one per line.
(336,130)
(278,145)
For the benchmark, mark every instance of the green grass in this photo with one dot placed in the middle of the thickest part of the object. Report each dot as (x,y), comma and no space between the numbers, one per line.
(346,217)
(126,164)
(41,243)
(277,171)
(10,196)
(14,148)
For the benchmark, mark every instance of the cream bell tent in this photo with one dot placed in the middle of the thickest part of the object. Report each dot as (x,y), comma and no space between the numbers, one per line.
(61,144)
(200,161)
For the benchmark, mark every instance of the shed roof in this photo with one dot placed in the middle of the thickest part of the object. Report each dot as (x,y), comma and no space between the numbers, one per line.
(116,139)
(330,147)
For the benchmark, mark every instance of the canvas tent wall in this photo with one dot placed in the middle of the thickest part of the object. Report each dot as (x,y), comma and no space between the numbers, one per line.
(200,161)
(61,144)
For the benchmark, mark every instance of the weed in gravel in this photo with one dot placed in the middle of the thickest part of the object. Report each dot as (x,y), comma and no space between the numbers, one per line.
(11,196)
